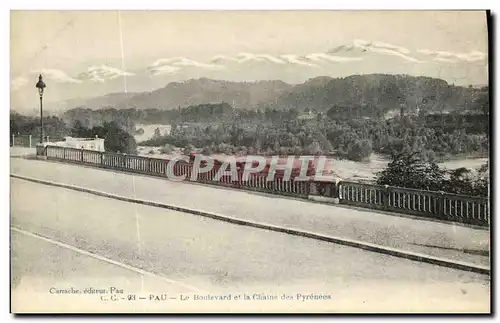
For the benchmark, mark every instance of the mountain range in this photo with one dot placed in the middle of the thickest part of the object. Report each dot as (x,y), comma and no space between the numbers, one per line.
(380,92)
(242,95)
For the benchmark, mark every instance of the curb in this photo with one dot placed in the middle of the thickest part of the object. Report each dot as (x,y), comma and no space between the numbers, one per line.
(307,234)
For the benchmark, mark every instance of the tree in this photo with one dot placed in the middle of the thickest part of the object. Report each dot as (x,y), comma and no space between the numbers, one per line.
(481,183)
(297,150)
(167,149)
(156,133)
(173,128)
(461,181)
(276,146)
(282,151)
(207,151)
(408,170)
(257,145)
(79,131)
(116,139)
(188,149)
(360,150)
(314,148)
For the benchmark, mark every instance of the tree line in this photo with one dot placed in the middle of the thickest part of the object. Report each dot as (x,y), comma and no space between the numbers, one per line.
(415,142)
(285,133)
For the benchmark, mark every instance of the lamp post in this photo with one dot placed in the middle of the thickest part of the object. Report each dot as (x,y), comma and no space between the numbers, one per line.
(40,85)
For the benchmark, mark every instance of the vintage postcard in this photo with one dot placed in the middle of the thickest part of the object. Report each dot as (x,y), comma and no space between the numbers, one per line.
(250,162)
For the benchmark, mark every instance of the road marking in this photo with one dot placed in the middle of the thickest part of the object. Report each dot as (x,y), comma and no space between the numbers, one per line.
(110,261)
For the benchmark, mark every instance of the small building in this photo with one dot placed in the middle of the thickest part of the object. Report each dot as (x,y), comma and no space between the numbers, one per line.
(96,143)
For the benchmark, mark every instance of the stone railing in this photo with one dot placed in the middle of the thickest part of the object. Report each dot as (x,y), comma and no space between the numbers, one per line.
(437,205)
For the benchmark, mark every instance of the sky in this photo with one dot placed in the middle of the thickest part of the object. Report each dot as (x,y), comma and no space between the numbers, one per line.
(91,53)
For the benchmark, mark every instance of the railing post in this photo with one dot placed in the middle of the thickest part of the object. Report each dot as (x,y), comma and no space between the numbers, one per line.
(102,158)
(440,205)
(238,182)
(335,193)
(312,188)
(13,145)
(386,197)
(307,188)
(41,151)
(30,141)
(81,155)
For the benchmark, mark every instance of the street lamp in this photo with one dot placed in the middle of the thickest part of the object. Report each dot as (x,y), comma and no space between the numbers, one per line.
(40,85)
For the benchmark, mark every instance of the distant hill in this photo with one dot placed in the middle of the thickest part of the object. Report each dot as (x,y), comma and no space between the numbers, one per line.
(244,95)
(361,95)
(100,102)
(379,94)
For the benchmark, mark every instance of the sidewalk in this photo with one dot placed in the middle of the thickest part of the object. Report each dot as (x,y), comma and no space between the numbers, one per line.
(431,238)
(22,151)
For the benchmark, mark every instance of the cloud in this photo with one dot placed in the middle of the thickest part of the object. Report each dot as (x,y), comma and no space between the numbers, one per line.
(386,51)
(356,51)
(296,59)
(319,57)
(95,78)
(183,62)
(284,59)
(175,64)
(388,46)
(223,59)
(165,69)
(18,83)
(362,47)
(246,57)
(271,58)
(56,75)
(454,57)
(262,58)
(100,74)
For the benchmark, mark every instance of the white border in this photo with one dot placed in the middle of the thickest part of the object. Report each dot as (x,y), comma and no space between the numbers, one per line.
(188,5)
(256,5)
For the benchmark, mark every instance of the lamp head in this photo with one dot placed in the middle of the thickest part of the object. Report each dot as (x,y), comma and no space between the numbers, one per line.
(40,85)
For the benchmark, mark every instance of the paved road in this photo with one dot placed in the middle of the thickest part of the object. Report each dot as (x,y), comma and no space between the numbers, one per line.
(41,268)
(204,254)
(431,238)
